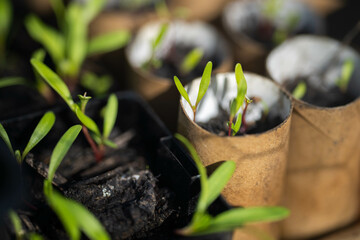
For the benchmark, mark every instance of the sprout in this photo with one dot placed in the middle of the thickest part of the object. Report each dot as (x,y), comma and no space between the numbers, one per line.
(300,90)
(79,109)
(204,85)
(202,222)
(42,129)
(346,73)
(74,216)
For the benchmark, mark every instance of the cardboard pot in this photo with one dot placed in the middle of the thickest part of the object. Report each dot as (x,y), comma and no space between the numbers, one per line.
(158,87)
(260,158)
(322,185)
(252,33)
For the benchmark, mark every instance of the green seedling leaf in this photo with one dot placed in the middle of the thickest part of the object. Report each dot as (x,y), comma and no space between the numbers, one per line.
(300,90)
(233,108)
(13,81)
(110,115)
(203,199)
(182,91)
(191,60)
(5,137)
(218,180)
(16,223)
(42,129)
(111,144)
(47,36)
(34,236)
(346,73)
(237,217)
(236,127)
(241,86)
(87,121)
(5,21)
(87,222)
(59,204)
(39,55)
(18,156)
(59,10)
(54,81)
(61,148)
(76,38)
(98,85)
(204,83)
(92,9)
(160,37)
(76,217)
(108,42)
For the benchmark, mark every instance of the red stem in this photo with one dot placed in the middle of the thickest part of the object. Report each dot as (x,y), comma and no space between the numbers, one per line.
(98,152)
(230,124)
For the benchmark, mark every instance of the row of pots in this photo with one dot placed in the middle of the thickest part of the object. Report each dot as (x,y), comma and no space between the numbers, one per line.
(312,152)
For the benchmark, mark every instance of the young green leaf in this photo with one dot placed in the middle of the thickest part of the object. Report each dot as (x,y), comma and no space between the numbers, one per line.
(241,86)
(191,60)
(87,121)
(99,85)
(87,222)
(54,81)
(204,83)
(160,37)
(47,36)
(61,149)
(59,204)
(76,38)
(5,137)
(42,129)
(300,90)
(12,81)
(346,73)
(76,217)
(34,236)
(236,127)
(5,21)
(110,115)
(237,217)
(39,54)
(91,9)
(218,180)
(16,222)
(182,91)
(108,42)
(204,193)
(59,10)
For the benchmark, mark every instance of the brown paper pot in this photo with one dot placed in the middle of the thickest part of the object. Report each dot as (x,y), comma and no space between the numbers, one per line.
(253,36)
(322,185)
(158,88)
(260,158)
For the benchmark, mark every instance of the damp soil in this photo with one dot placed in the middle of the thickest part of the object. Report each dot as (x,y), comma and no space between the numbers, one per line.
(332,97)
(218,125)
(172,61)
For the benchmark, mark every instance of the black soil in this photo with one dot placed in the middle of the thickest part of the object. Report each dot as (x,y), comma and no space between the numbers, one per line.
(218,125)
(333,97)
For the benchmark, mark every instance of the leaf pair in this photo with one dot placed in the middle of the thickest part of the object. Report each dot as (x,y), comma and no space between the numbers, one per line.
(74,216)
(42,129)
(202,222)
(204,85)
(60,87)
(70,47)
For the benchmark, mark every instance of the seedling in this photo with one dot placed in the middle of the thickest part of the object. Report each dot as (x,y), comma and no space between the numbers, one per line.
(346,73)
(204,85)
(42,129)
(154,62)
(237,102)
(202,222)
(101,139)
(74,216)
(300,90)
(69,47)
(190,61)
